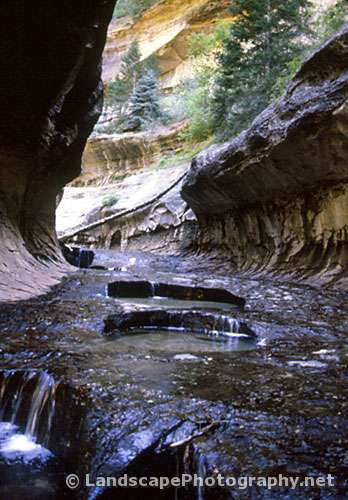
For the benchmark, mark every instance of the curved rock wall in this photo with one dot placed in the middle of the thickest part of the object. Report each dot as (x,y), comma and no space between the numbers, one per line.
(165,227)
(275,198)
(149,215)
(50,98)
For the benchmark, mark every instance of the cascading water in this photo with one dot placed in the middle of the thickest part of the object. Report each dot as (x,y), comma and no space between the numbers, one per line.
(27,406)
(200,470)
(227,325)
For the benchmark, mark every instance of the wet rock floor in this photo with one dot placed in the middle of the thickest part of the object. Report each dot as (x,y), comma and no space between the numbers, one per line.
(278,408)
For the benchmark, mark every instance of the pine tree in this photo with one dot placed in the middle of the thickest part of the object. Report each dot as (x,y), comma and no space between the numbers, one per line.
(119,90)
(264,38)
(130,63)
(144,102)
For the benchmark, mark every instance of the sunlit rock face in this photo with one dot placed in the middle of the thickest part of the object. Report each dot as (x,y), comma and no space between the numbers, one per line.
(50,98)
(107,157)
(275,198)
(163,31)
(155,217)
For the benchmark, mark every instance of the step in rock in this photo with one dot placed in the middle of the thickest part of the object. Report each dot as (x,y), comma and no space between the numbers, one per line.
(146,289)
(179,320)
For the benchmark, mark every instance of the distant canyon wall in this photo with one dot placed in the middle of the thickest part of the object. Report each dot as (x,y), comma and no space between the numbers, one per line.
(148,214)
(163,31)
(165,227)
(110,157)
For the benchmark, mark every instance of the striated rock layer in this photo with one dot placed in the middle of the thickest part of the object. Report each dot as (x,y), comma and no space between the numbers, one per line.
(107,157)
(50,98)
(163,31)
(275,198)
(146,213)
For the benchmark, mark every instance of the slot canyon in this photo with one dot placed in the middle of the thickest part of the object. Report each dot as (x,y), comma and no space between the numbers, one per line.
(169,307)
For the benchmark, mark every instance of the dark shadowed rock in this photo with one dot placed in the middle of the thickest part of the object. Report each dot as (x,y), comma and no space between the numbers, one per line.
(50,98)
(78,257)
(190,321)
(143,289)
(275,197)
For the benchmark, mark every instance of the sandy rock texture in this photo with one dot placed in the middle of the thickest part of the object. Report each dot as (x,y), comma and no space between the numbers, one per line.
(154,222)
(107,157)
(163,31)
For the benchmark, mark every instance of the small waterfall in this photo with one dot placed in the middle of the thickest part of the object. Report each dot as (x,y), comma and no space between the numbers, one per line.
(44,396)
(224,325)
(27,406)
(200,470)
(231,325)
(18,397)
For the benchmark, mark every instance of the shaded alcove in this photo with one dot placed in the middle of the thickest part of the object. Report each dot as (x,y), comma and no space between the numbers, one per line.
(116,240)
(50,98)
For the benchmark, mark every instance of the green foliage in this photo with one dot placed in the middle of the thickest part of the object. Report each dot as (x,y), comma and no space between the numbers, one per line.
(203,45)
(197,94)
(131,8)
(124,95)
(130,64)
(118,178)
(287,73)
(263,40)
(110,200)
(179,157)
(144,102)
(330,20)
(326,23)
(109,128)
(173,106)
(197,97)
(118,91)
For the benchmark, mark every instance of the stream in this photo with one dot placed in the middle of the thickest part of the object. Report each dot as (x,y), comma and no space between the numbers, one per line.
(152,385)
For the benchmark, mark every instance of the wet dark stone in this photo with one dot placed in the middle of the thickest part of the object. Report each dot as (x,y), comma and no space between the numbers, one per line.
(278,411)
(145,289)
(148,451)
(192,321)
(130,289)
(78,257)
(58,411)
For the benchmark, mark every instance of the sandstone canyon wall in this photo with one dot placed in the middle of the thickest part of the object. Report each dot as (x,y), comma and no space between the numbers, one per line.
(149,214)
(50,98)
(162,31)
(275,199)
(118,155)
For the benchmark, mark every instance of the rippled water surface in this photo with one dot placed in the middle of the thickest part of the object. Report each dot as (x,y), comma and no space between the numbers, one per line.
(172,342)
(280,401)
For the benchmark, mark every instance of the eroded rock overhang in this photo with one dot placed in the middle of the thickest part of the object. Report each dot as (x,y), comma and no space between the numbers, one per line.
(50,98)
(275,198)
